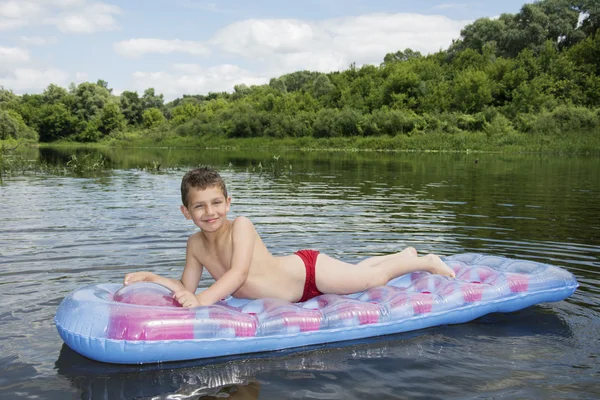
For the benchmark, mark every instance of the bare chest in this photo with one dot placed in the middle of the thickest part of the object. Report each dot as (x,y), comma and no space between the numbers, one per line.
(218,260)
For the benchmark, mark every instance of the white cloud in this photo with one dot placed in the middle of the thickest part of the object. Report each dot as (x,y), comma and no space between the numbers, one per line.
(27,80)
(87,19)
(18,75)
(287,45)
(13,56)
(192,78)
(71,16)
(280,46)
(135,48)
(19,9)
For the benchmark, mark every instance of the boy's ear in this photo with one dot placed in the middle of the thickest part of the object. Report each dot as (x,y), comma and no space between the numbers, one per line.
(228,202)
(185,212)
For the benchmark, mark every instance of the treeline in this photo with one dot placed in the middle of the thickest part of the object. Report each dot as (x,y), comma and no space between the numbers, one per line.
(537,71)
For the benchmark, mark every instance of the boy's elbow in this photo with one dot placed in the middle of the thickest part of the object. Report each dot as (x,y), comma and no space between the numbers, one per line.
(241,277)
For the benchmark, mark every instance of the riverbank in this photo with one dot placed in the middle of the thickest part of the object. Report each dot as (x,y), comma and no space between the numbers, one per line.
(580,143)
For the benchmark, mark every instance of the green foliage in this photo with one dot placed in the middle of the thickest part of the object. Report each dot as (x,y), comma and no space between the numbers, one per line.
(151,100)
(565,118)
(472,91)
(184,112)
(55,121)
(111,119)
(131,107)
(87,164)
(89,100)
(152,118)
(533,72)
(13,126)
(399,56)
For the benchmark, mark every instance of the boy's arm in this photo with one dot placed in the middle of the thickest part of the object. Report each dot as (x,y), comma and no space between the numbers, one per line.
(193,267)
(189,279)
(244,237)
(145,276)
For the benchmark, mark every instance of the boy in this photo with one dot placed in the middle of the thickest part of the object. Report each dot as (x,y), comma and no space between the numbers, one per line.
(236,257)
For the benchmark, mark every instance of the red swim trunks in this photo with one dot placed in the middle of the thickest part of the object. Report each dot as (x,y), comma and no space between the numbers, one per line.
(310,284)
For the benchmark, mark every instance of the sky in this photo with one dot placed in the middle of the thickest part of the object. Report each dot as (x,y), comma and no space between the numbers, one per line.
(195,47)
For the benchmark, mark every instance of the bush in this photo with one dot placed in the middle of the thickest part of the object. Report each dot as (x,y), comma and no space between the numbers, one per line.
(565,119)
(13,126)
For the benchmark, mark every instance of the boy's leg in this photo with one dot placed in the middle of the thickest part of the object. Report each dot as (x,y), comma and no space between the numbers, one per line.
(373,261)
(338,277)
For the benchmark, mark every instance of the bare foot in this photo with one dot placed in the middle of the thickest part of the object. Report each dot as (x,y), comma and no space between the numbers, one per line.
(437,266)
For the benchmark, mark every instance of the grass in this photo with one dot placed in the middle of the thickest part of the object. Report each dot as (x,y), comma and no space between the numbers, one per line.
(15,162)
(463,141)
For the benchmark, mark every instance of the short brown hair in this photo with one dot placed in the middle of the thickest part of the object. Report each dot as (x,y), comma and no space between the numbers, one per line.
(201,178)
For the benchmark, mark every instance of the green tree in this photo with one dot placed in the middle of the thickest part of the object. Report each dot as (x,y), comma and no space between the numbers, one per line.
(13,126)
(56,122)
(132,107)
(185,112)
(152,100)
(152,118)
(472,90)
(278,84)
(591,21)
(54,94)
(400,56)
(89,100)
(111,119)
(321,86)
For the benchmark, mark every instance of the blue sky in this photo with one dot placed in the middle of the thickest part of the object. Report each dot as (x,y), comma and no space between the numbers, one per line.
(195,46)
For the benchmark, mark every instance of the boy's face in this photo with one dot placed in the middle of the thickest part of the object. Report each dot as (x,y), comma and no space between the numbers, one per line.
(207,208)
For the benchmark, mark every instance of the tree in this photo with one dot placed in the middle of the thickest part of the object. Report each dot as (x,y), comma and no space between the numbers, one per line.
(400,56)
(554,20)
(104,84)
(54,94)
(111,119)
(89,100)
(56,122)
(152,100)
(299,80)
(476,35)
(278,84)
(152,118)
(7,97)
(13,126)
(321,86)
(591,13)
(184,113)
(472,90)
(131,107)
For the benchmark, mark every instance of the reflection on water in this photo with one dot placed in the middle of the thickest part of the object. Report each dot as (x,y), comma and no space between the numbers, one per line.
(59,233)
(377,360)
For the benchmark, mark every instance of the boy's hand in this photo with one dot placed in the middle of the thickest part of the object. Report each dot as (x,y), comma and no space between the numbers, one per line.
(187,299)
(140,276)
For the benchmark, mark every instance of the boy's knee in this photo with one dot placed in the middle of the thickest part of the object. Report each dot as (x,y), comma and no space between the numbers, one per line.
(379,279)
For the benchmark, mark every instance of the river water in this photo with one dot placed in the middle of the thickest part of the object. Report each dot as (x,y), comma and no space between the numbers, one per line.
(61,232)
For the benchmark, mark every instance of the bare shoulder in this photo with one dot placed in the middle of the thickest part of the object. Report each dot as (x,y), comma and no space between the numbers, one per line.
(195,244)
(196,238)
(242,223)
